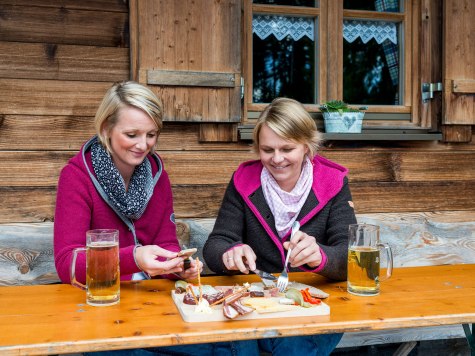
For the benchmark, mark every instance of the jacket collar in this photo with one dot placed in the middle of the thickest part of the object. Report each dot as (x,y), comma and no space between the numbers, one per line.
(328,180)
(88,164)
(87,147)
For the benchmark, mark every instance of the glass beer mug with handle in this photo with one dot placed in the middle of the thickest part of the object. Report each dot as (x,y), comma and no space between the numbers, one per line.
(102,267)
(364,256)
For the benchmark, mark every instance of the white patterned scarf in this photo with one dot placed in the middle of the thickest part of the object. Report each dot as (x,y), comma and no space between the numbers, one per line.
(131,203)
(285,206)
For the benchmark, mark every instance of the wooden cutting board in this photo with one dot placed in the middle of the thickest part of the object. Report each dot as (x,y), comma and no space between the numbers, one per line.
(188,312)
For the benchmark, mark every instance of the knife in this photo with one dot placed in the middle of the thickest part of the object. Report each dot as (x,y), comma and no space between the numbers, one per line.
(264,275)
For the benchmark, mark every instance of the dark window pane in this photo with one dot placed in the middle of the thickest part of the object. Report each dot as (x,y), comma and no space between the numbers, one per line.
(372,5)
(310,3)
(371,73)
(283,58)
(283,68)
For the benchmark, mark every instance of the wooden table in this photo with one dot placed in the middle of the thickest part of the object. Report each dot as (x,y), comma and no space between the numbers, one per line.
(54,319)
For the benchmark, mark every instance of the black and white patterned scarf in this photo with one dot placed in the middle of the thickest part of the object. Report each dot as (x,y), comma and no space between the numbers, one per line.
(131,203)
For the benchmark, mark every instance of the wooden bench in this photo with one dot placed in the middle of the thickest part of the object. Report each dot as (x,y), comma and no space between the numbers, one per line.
(417,239)
(26,250)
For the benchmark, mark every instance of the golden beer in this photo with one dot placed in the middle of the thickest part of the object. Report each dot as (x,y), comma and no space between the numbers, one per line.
(363,270)
(102,273)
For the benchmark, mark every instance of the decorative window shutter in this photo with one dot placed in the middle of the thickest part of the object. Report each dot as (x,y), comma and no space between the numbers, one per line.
(458,105)
(189,53)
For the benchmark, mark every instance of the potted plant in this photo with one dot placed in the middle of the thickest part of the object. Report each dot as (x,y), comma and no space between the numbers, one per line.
(341,118)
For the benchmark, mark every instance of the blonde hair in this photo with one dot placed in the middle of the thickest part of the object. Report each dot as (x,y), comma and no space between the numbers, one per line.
(289,120)
(119,96)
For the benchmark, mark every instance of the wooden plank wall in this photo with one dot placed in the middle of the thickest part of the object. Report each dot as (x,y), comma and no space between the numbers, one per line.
(58,58)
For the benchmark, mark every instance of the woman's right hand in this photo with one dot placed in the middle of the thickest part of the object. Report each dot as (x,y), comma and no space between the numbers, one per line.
(146,258)
(240,258)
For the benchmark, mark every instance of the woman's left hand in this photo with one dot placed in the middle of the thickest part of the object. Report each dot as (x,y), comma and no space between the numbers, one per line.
(192,272)
(305,250)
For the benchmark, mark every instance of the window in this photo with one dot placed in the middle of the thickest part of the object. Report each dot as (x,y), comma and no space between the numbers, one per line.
(365,52)
(371,54)
(284,50)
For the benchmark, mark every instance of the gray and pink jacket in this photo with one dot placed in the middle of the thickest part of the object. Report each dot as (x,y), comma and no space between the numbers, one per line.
(81,205)
(245,218)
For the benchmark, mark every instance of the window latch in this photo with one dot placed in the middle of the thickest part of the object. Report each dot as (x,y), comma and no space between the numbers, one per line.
(242,88)
(428,90)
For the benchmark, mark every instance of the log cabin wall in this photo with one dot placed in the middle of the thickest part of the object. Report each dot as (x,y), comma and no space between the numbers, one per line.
(58,58)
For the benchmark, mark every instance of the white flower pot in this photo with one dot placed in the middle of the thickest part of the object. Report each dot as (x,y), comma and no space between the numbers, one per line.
(348,122)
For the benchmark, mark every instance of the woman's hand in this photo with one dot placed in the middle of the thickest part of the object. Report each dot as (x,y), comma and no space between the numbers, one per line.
(305,250)
(240,258)
(146,259)
(192,272)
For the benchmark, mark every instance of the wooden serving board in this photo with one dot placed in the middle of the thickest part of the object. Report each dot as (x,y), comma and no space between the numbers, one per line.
(188,312)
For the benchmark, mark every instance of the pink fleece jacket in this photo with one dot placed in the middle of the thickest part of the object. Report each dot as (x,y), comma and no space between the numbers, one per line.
(80,207)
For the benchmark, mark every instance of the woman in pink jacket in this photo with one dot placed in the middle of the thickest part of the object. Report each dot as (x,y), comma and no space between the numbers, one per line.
(117,181)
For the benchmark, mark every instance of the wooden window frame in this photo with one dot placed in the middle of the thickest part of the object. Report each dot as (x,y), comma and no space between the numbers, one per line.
(411,114)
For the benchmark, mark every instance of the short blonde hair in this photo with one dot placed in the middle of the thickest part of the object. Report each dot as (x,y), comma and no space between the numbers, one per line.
(289,120)
(125,94)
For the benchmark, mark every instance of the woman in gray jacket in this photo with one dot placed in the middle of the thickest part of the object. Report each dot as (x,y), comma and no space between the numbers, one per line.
(288,183)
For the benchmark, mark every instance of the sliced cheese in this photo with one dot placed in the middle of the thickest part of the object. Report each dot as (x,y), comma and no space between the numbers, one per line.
(267,305)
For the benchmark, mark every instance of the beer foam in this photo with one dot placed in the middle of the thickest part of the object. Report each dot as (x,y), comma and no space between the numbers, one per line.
(103,244)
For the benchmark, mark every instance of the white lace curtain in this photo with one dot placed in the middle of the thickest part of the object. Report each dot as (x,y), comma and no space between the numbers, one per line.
(368,30)
(298,27)
(283,26)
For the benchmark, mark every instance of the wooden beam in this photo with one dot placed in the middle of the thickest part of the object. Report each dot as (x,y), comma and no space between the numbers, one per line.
(50,97)
(218,133)
(36,204)
(466,86)
(393,336)
(63,62)
(373,197)
(27,204)
(457,133)
(70,133)
(62,132)
(192,79)
(216,167)
(134,40)
(63,26)
(90,5)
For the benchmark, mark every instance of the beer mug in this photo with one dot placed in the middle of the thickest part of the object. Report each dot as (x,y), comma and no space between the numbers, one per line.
(102,267)
(364,255)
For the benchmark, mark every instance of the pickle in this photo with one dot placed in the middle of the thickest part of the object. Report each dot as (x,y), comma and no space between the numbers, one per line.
(181,285)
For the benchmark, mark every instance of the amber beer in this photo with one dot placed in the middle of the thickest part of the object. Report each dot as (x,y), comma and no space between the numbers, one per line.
(102,267)
(364,255)
(363,270)
(102,273)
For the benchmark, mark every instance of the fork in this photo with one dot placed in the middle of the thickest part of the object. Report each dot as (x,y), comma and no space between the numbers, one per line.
(283,280)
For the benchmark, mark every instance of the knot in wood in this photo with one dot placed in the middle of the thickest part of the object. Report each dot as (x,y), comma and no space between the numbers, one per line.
(22,258)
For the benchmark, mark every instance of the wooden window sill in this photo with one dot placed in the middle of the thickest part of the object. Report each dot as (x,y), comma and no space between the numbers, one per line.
(368,134)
